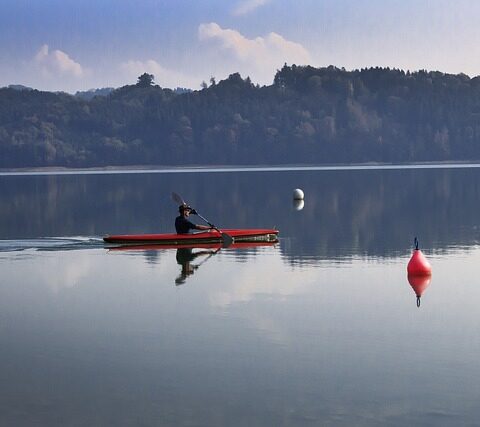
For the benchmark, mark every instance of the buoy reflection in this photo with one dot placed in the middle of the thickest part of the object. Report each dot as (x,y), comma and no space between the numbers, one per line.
(419,284)
(298,204)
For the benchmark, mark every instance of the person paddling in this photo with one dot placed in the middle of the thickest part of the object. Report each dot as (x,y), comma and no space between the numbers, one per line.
(183,225)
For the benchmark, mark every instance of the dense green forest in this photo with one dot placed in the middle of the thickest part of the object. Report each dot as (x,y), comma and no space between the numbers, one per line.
(308,115)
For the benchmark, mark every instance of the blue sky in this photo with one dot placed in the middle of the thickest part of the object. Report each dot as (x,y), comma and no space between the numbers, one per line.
(77,45)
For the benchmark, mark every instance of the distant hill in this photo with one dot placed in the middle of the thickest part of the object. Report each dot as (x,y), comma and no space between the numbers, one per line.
(89,94)
(180,90)
(19,87)
(308,115)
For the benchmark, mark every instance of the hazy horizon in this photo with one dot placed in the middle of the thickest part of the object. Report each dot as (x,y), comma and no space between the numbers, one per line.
(73,92)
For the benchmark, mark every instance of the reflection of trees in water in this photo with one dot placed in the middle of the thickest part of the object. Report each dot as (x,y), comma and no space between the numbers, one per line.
(33,206)
(369,212)
(152,256)
(376,212)
(373,212)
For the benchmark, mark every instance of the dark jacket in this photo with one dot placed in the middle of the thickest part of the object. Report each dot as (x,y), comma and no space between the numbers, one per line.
(183,225)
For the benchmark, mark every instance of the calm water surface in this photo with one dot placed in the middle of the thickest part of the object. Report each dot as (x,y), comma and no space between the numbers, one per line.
(321,329)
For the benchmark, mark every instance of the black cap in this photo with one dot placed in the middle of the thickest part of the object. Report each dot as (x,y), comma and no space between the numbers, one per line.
(183,208)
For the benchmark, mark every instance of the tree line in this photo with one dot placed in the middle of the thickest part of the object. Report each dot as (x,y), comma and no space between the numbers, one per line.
(308,115)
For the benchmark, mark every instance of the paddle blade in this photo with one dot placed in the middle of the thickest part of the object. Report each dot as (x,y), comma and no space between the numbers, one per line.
(176,198)
(227,240)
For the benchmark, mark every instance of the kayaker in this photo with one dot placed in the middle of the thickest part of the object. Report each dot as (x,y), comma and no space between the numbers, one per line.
(183,225)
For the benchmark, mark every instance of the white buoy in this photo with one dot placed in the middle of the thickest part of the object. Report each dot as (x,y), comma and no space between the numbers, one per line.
(298,194)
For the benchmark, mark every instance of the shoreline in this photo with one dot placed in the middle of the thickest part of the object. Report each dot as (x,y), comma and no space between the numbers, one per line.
(105,170)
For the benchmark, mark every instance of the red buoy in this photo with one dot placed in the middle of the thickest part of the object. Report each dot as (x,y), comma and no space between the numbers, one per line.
(418,264)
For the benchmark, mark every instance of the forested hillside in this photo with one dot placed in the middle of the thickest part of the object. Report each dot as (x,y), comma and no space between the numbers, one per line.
(308,115)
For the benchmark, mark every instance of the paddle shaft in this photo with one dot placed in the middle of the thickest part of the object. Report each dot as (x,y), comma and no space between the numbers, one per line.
(227,239)
(209,223)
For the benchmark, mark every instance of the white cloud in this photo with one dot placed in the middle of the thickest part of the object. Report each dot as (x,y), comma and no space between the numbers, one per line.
(56,62)
(259,57)
(248,6)
(163,76)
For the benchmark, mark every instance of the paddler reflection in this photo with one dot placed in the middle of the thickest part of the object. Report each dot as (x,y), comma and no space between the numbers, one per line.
(185,256)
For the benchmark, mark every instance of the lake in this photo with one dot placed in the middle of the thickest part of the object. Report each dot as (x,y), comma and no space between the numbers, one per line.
(322,328)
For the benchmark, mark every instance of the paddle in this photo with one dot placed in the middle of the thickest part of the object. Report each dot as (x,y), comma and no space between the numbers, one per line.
(226,238)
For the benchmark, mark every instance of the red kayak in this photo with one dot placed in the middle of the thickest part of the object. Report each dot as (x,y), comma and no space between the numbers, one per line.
(210,236)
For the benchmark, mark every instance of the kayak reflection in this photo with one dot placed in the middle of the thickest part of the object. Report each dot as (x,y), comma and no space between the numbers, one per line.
(185,256)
